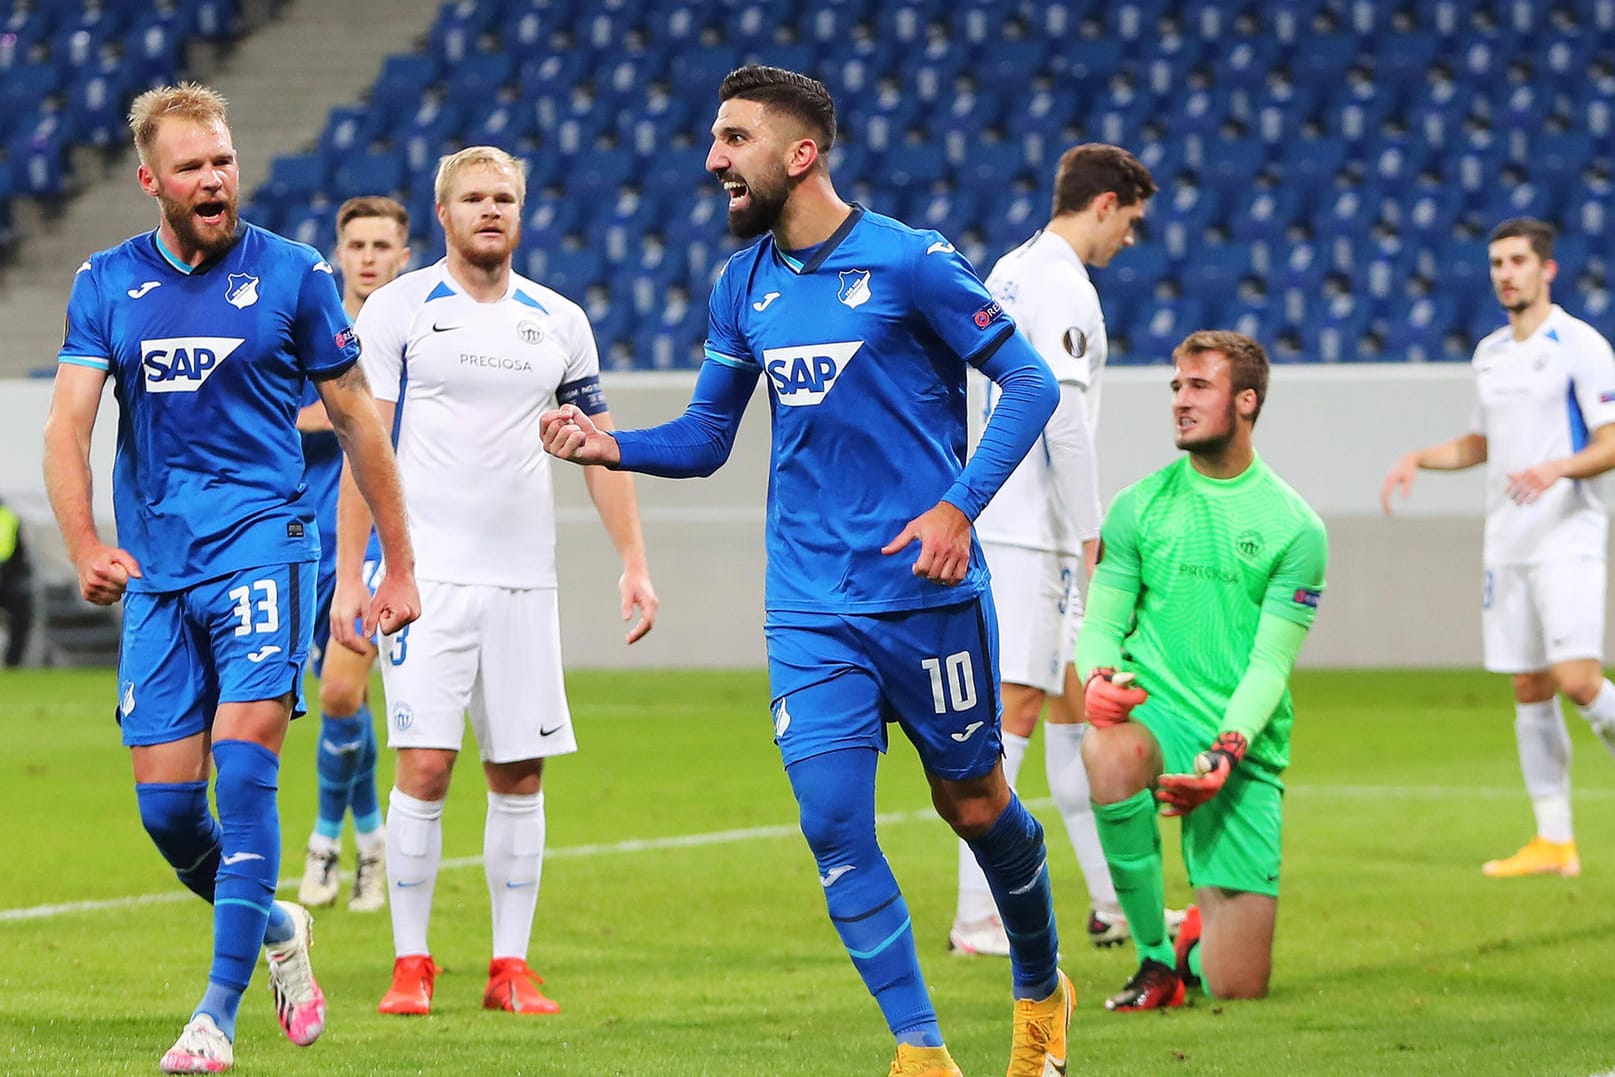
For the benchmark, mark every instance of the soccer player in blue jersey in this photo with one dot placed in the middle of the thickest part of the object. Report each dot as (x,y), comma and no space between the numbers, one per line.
(864,328)
(372,248)
(209,328)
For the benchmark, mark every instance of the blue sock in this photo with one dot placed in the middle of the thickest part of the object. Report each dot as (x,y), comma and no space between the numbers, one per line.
(176,816)
(221,1002)
(362,795)
(337,763)
(835,794)
(1014,859)
(247,780)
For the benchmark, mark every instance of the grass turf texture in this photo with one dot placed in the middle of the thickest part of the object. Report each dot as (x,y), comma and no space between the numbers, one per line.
(714,956)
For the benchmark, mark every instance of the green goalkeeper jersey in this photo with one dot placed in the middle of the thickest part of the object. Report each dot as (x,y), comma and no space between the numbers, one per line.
(1205,559)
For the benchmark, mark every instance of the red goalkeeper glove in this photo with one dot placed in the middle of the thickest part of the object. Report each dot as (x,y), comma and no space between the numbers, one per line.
(1183,793)
(1109,697)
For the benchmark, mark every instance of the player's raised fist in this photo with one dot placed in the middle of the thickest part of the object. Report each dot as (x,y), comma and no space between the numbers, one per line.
(569,434)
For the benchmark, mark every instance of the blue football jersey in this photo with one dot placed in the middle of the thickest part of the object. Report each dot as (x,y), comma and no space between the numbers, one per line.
(322,474)
(865,346)
(209,367)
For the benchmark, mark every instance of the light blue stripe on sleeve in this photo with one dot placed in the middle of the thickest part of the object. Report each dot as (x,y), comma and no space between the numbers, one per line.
(91,361)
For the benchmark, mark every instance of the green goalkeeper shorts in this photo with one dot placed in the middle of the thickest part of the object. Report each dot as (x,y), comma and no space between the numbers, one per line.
(1232,840)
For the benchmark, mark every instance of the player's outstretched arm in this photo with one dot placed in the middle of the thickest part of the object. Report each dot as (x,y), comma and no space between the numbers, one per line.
(103,570)
(358,422)
(1461,452)
(569,434)
(614,499)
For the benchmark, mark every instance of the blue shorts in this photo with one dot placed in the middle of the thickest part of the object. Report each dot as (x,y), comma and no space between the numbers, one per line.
(236,639)
(322,612)
(838,679)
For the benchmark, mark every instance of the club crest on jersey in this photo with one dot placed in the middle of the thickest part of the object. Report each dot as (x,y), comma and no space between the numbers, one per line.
(803,376)
(182,364)
(241,291)
(530,331)
(854,287)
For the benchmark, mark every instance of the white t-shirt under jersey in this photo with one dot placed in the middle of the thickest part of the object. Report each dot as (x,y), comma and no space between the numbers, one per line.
(1051,500)
(470,380)
(1539,399)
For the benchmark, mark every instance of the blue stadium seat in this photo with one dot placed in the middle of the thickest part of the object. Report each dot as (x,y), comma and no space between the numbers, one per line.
(403,78)
(373,172)
(1159,327)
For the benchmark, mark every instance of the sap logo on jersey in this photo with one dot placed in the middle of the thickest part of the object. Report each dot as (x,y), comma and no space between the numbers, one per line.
(803,375)
(182,364)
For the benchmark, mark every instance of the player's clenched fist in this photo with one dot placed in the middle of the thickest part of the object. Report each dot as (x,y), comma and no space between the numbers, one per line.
(571,435)
(1110,697)
(1183,793)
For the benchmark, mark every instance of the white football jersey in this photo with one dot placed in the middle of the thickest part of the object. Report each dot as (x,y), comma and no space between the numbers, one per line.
(1051,500)
(1539,399)
(470,380)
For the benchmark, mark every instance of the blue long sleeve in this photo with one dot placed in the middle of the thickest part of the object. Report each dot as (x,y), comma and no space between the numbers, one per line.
(698,442)
(1030,395)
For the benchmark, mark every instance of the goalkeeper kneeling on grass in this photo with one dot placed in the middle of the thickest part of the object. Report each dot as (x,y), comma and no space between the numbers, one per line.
(1209,577)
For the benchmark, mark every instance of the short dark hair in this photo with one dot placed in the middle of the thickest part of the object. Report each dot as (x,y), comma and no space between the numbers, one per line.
(1247,360)
(802,98)
(372,205)
(1540,233)
(1093,168)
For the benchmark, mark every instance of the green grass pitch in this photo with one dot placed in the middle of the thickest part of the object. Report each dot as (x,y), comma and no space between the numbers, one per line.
(681,930)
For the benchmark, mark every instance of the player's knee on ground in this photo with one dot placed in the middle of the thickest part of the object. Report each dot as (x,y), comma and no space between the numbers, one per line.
(1239,982)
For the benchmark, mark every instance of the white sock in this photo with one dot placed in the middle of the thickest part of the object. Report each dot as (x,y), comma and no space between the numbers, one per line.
(1544,745)
(975,899)
(1068,784)
(414,851)
(1600,714)
(370,842)
(319,843)
(513,860)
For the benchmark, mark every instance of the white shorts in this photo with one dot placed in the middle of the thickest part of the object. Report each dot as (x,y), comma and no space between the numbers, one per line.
(492,651)
(1039,613)
(1534,616)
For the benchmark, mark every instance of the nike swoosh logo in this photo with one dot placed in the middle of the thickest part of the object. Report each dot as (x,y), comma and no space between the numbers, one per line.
(943,247)
(341,749)
(445,328)
(1053,1068)
(237,858)
(402,884)
(549,732)
(970,731)
(262,653)
(763,304)
(136,293)
(828,879)
(520,886)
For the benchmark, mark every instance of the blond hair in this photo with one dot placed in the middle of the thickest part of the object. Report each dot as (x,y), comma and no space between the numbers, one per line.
(189,101)
(1247,360)
(450,167)
(372,205)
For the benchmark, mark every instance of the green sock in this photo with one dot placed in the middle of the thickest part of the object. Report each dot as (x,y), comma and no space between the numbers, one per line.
(1132,841)
(1194,967)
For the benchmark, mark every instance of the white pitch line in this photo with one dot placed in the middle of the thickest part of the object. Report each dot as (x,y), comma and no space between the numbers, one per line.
(761,833)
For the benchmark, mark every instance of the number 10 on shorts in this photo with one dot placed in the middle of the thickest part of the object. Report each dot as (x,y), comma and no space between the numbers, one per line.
(953,682)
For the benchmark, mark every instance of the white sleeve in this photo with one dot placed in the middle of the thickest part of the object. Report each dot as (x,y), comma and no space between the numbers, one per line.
(1060,315)
(383,328)
(583,355)
(1074,465)
(1592,371)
